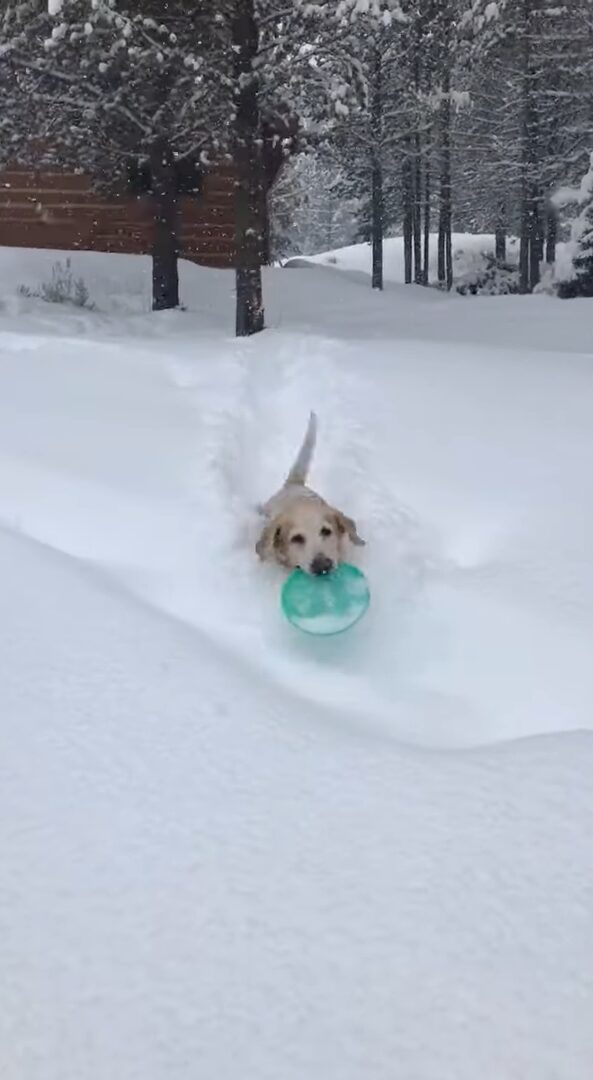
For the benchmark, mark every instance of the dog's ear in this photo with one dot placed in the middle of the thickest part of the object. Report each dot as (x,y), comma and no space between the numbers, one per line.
(272,540)
(346,526)
(264,544)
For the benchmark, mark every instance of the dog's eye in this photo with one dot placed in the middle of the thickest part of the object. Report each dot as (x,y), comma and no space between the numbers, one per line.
(298,538)
(326,531)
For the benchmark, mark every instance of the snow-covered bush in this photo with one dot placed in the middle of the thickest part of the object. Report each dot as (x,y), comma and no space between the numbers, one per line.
(547,284)
(62,288)
(579,280)
(481,274)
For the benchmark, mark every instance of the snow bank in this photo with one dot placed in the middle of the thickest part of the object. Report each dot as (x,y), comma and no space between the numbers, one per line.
(469,263)
(356,258)
(465,471)
(224,851)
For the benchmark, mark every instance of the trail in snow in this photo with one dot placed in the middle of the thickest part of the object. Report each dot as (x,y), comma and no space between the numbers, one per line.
(223,853)
(465,473)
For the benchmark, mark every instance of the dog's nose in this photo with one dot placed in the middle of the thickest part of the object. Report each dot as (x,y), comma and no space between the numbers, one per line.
(321,564)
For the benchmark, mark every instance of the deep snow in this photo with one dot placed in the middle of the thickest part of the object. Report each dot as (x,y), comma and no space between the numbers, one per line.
(355,259)
(231,851)
(468,259)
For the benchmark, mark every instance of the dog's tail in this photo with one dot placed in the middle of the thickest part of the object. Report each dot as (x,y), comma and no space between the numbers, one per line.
(298,473)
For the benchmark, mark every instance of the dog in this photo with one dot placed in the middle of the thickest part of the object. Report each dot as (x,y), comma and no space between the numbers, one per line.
(302,530)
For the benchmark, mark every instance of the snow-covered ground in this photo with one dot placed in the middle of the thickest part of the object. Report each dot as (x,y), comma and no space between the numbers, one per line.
(233,852)
(468,258)
(356,258)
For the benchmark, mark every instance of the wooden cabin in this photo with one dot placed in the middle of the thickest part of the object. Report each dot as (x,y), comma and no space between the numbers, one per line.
(49,208)
(63,209)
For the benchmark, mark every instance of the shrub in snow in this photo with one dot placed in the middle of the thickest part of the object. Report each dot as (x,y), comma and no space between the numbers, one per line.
(580,282)
(62,288)
(481,274)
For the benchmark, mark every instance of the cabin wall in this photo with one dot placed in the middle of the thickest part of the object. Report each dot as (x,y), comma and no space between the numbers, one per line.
(52,209)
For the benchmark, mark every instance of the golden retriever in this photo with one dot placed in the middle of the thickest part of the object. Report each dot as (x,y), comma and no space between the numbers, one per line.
(301,529)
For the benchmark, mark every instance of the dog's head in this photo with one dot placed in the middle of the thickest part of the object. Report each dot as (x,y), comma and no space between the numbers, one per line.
(311,536)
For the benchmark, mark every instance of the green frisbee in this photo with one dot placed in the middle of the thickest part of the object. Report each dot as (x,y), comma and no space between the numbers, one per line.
(327,604)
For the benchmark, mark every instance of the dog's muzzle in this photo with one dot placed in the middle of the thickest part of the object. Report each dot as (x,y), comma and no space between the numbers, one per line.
(321,564)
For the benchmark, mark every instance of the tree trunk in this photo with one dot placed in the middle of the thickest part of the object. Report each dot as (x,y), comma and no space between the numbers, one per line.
(524,243)
(418,194)
(165,243)
(426,264)
(500,234)
(551,236)
(266,229)
(531,241)
(377,225)
(500,243)
(536,252)
(445,252)
(449,258)
(377,172)
(408,214)
(249,191)
(531,250)
(329,230)
(525,231)
(417,208)
(445,256)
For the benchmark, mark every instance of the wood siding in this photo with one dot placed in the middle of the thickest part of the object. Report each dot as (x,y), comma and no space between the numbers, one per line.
(51,209)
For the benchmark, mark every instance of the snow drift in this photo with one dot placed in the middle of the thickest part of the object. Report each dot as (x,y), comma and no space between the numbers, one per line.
(229,850)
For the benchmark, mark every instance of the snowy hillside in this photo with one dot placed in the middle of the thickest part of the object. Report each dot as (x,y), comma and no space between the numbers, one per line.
(469,250)
(356,258)
(233,852)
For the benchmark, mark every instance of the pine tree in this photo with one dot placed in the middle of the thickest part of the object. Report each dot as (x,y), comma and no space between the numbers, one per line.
(15,120)
(367,132)
(365,140)
(248,159)
(484,169)
(273,74)
(581,241)
(541,53)
(290,62)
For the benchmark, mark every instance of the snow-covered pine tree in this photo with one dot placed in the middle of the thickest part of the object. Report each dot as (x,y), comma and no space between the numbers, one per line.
(426,100)
(502,37)
(565,47)
(294,62)
(14,107)
(391,125)
(270,69)
(541,52)
(525,68)
(378,131)
(385,122)
(445,47)
(134,95)
(484,168)
(247,148)
(581,241)
(362,133)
